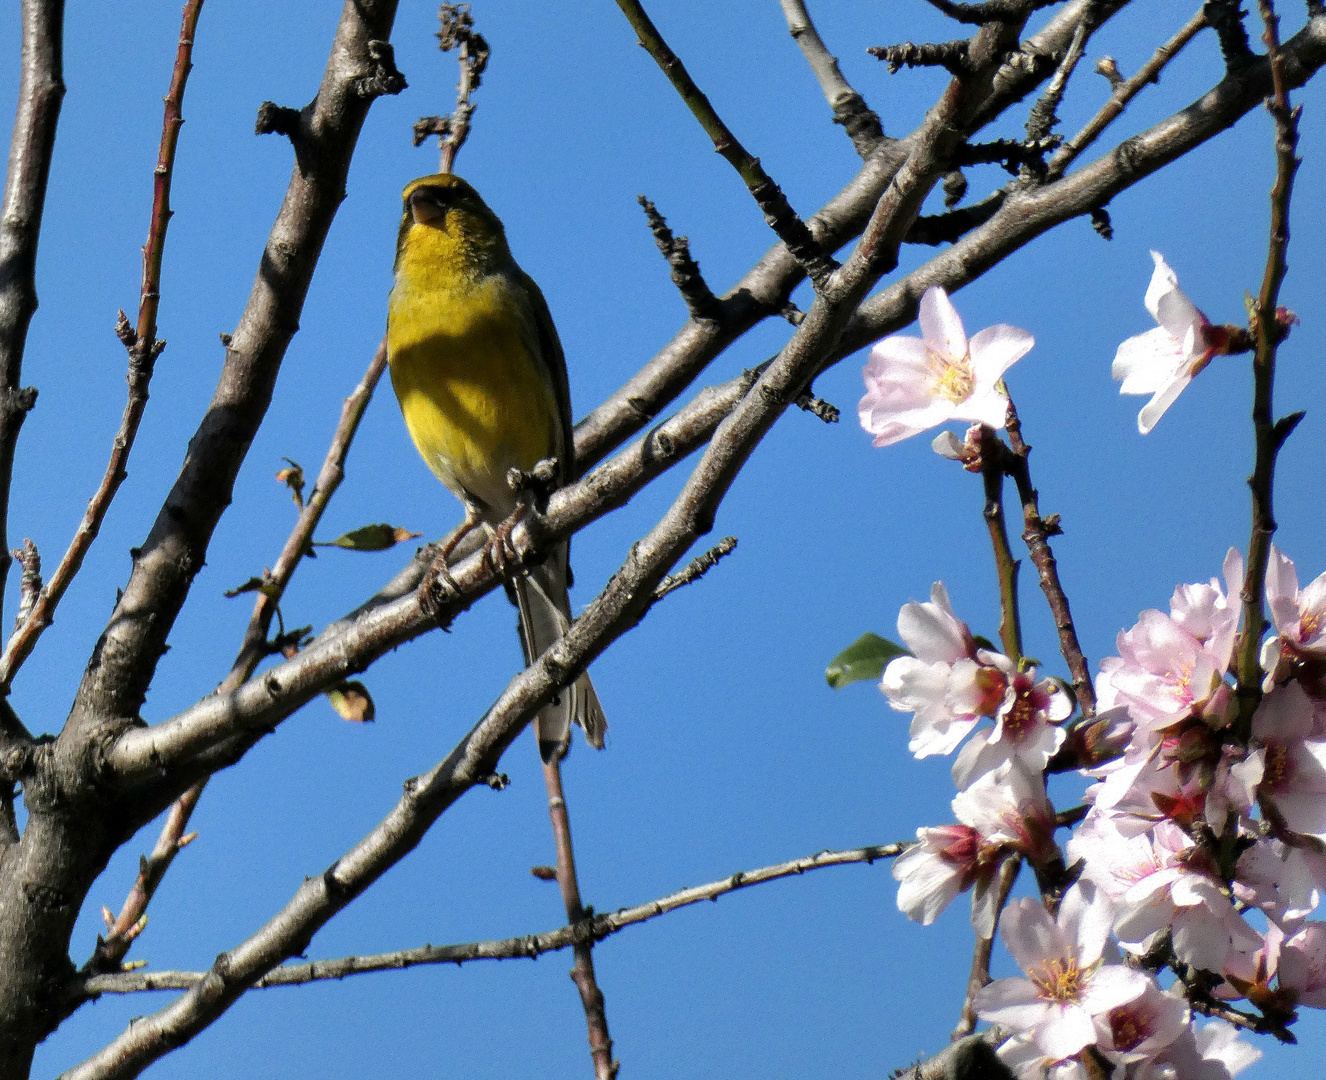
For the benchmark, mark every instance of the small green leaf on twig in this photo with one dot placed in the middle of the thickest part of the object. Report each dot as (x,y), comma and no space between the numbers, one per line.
(293,478)
(352,702)
(255,584)
(370,538)
(863,659)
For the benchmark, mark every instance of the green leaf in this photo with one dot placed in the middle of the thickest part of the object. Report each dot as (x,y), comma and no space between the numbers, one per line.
(255,584)
(863,659)
(370,538)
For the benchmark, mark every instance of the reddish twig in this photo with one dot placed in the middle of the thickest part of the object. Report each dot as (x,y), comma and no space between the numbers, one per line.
(1270,433)
(582,971)
(457,33)
(255,646)
(1036,533)
(143,348)
(122,930)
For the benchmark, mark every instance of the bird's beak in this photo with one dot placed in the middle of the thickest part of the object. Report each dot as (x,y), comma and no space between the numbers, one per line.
(425,208)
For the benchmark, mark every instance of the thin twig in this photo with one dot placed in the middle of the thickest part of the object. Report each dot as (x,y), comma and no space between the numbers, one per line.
(255,646)
(582,970)
(40,92)
(143,347)
(778,212)
(1044,114)
(529,946)
(1006,567)
(849,108)
(980,961)
(1036,533)
(122,930)
(253,649)
(700,301)
(458,33)
(1270,434)
(1124,92)
(696,568)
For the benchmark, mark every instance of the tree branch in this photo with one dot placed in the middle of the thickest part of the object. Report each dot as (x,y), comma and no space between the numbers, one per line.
(176,546)
(768,195)
(527,946)
(765,290)
(1269,434)
(1123,93)
(849,108)
(40,92)
(582,971)
(1036,533)
(143,347)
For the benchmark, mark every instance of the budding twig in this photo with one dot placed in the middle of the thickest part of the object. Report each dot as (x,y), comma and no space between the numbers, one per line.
(143,347)
(527,946)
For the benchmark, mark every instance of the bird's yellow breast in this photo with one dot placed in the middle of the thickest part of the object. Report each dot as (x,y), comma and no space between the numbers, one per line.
(466,367)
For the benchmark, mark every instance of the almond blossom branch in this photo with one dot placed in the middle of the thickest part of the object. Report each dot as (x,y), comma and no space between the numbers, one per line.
(778,212)
(582,971)
(1270,434)
(528,946)
(1123,93)
(144,348)
(1036,533)
(40,92)
(849,108)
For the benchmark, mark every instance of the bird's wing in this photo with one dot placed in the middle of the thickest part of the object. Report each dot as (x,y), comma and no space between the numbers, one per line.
(550,352)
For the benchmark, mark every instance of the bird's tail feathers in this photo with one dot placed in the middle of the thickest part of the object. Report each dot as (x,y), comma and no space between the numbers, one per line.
(545,616)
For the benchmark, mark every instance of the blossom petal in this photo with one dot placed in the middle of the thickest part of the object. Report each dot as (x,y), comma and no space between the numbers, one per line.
(997,348)
(941,326)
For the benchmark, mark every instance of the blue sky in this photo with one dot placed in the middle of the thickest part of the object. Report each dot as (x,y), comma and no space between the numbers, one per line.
(726,750)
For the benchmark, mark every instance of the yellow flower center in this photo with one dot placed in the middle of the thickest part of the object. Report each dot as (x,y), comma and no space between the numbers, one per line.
(1308,625)
(1060,980)
(951,378)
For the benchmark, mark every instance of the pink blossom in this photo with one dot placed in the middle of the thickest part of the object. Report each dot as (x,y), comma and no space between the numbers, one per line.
(947,681)
(1288,767)
(1299,615)
(943,862)
(1177,892)
(1164,673)
(1163,361)
(1301,964)
(1008,806)
(916,383)
(1141,1028)
(1213,1052)
(1026,728)
(1066,985)
(1285,882)
(1210,613)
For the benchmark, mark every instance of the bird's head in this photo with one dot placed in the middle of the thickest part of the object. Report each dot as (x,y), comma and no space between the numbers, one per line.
(447,202)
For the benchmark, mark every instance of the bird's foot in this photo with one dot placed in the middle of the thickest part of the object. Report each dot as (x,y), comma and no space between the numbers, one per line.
(438,586)
(499,552)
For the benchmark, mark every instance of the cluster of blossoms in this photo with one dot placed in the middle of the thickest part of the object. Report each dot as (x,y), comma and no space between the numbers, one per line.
(1203,849)
(1200,853)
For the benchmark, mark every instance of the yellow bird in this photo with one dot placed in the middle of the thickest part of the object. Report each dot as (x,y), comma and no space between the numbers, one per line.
(481,380)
